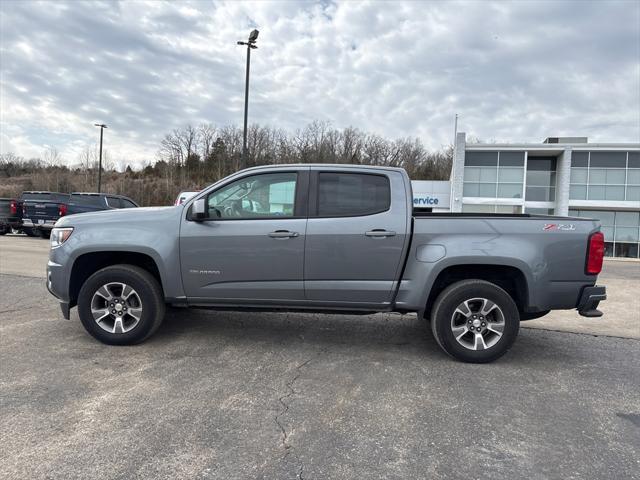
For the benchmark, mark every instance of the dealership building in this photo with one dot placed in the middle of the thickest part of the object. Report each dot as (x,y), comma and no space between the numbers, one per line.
(560,176)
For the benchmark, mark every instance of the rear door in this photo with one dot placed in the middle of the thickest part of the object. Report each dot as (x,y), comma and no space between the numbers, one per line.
(356,236)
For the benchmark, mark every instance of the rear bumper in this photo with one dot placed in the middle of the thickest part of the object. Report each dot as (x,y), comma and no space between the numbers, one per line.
(45,225)
(589,300)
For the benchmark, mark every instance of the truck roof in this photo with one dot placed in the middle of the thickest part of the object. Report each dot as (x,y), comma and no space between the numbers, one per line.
(94,194)
(322,165)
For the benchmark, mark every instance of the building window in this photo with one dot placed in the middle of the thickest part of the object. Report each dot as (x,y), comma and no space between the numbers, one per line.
(538,211)
(621,231)
(541,179)
(493,174)
(480,208)
(605,176)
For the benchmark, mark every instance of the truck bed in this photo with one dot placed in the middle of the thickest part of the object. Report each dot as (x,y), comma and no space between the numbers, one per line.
(549,251)
(422,213)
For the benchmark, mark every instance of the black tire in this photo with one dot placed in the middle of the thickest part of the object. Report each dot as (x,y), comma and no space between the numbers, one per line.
(45,234)
(445,307)
(31,232)
(146,287)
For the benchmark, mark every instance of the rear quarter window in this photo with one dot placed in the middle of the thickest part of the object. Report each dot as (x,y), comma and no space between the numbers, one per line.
(93,200)
(114,202)
(352,194)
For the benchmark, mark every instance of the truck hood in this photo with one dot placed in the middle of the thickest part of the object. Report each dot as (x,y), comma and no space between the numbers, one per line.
(128,216)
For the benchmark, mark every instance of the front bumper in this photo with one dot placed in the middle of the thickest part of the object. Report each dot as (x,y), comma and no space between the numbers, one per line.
(55,279)
(589,300)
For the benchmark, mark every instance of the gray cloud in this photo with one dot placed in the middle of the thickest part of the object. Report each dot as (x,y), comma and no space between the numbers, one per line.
(513,71)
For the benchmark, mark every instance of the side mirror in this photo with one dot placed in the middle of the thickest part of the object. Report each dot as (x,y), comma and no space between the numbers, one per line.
(198,210)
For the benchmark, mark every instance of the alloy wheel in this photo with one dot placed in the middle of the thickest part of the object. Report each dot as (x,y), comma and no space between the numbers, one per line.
(116,307)
(477,324)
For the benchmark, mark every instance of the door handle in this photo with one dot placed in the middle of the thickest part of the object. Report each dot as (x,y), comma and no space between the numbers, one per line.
(380,233)
(283,234)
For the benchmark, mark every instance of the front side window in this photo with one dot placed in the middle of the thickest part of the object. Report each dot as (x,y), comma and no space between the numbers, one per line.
(352,194)
(257,196)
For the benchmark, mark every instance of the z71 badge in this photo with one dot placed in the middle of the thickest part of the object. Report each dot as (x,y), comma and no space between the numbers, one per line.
(559,226)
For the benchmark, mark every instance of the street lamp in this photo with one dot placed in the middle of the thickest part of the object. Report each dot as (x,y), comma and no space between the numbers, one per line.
(102,127)
(250,43)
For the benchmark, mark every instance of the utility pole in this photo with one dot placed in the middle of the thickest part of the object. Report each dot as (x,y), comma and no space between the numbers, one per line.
(250,43)
(102,127)
(455,130)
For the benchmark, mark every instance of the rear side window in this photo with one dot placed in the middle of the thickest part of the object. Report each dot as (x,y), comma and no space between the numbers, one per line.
(93,200)
(127,203)
(352,194)
(113,202)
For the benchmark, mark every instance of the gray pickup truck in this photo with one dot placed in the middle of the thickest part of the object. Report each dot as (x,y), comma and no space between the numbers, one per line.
(324,238)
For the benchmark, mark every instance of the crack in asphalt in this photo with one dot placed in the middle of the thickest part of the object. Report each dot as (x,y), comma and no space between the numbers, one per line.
(587,334)
(284,435)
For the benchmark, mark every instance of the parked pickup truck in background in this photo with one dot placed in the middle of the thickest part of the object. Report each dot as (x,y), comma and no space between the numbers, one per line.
(41,210)
(10,214)
(327,238)
(92,202)
(184,196)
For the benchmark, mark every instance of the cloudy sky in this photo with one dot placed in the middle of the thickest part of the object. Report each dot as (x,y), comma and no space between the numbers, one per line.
(516,71)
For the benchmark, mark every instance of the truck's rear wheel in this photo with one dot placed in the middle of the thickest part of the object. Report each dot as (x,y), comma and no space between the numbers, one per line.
(31,232)
(475,321)
(121,305)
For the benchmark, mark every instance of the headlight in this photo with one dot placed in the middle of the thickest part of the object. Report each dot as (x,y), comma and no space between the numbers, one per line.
(60,235)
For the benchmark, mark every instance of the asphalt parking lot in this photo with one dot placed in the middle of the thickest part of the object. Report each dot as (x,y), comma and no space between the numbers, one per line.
(239,395)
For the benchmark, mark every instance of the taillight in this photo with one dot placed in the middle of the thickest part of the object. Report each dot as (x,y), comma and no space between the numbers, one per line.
(595,253)
(13,207)
(62,209)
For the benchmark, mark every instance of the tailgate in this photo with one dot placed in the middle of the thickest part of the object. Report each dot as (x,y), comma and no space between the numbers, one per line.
(43,208)
(5,208)
(38,212)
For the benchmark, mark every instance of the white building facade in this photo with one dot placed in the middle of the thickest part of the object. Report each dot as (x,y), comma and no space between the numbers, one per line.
(561,176)
(431,195)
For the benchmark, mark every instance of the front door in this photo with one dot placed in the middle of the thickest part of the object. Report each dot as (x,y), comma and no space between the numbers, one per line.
(356,237)
(250,248)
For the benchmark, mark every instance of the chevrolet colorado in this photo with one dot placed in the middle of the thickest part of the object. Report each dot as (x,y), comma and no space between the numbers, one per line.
(327,238)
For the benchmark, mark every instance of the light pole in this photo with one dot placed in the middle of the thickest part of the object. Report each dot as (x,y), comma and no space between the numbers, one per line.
(102,127)
(250,43)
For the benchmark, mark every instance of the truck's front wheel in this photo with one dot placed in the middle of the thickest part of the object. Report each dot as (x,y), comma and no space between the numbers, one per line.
(121,305)
(475,321)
